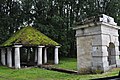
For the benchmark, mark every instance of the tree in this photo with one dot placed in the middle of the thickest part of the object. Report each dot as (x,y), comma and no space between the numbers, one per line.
(10,18)
(55,18)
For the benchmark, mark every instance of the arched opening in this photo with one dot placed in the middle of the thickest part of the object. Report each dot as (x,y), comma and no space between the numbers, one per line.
(111,54)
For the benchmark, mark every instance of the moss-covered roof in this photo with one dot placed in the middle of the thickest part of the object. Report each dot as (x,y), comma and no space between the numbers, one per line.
(29,36)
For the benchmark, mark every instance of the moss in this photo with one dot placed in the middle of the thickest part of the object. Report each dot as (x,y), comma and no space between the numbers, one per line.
(29,36)
(97,71)
(84,71)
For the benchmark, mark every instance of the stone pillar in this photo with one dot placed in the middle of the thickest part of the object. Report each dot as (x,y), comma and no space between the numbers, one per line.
(56,55)
(36,54)
(40,55)
(45,55)
(9,57)
(3,56)
(17,56)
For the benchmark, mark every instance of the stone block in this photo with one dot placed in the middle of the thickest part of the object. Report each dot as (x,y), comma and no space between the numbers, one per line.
(106,29)
(107,19)
(99,59)
(79,32)
(100,65)
(99,51)
(92,30)
(105,50)
(84,57)
(96,40)
(96,51)
(106,39)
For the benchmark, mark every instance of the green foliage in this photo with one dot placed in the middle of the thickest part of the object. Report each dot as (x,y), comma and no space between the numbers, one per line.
(54,18)
(10,20)
(29,36)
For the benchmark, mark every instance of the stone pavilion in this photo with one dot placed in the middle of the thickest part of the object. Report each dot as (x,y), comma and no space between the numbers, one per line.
(27,37)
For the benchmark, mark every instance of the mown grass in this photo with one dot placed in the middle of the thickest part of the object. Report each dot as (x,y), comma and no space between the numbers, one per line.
(67,63)
(41,74)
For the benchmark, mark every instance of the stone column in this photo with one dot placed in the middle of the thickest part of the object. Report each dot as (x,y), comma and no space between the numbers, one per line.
(36,54)
(3,56)
(17,56)
(56,55)
(40,55)
(9,57)
(45,55)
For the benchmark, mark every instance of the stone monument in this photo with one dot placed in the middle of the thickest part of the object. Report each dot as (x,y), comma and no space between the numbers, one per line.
(97,44)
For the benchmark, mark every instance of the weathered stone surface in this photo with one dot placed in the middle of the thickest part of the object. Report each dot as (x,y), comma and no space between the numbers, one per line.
(97,44)
(99,51)
(56,61)
(17,56)
(84,52)
(107,19)
(39,62)
(9,57)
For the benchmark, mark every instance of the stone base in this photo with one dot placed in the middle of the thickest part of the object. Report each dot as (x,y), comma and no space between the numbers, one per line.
(85,71)
(93,70)
(97,70)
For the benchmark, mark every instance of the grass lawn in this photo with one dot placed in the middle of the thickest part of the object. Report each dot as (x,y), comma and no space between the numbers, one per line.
(67,63)
(41,74)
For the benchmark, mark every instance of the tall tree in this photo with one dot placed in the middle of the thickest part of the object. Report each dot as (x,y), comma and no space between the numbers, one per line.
(10,18)
(55,18)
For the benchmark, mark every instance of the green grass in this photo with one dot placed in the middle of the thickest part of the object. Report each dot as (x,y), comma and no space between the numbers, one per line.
(41,74)
(67,63)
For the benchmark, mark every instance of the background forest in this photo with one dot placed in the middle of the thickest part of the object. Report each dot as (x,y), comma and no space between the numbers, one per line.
(54,18)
